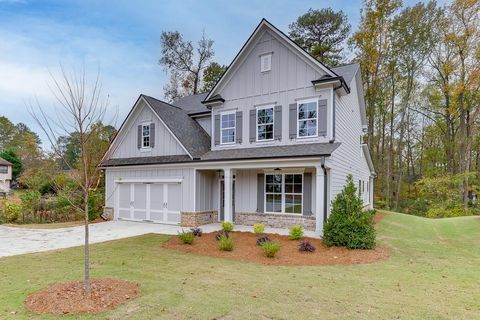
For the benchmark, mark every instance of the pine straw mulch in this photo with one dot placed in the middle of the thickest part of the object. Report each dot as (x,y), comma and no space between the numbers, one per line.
(69,298)
(245,249)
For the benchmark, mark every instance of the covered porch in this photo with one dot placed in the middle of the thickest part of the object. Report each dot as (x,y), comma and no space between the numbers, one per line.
(279,194)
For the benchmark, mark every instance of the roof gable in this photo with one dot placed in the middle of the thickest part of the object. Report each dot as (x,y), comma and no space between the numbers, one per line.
(4,162)
(263,26)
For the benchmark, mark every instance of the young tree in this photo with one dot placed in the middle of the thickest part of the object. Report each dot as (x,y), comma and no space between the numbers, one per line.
(322,33)
(211,75)
(184,63)
(80,106)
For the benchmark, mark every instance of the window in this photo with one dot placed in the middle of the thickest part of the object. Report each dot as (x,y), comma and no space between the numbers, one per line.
(146,136)
(266,62)
(307,119)
(265,124)
(227,127)
(3,169)
(284,193)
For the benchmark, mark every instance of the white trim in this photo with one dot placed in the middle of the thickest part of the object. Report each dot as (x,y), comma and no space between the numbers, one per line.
(264,107)
(234,112)
(150,180)
(245,47)
(305,101)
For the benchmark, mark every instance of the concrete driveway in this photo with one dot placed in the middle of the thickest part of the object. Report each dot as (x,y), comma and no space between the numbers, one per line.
(14,241)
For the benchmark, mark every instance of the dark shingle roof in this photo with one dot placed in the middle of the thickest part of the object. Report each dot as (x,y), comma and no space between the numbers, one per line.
(347,71)
(298,150)
(292,151)
(190,134)
(4,162)
(192,104)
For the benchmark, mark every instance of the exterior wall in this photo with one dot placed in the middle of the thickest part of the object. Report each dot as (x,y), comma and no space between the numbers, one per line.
(275,220)
(5,179)
(349,157)
(288,80)
(205,122)
(204,198)
(165,142)
(195,219)
(139,172)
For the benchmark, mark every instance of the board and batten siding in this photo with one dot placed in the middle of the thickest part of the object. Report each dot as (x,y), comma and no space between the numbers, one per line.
(349,157)
(144,172)
(289,79)
(165,142)
(204,197)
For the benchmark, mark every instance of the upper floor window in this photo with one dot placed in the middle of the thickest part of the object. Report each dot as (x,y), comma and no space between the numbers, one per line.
(3,169)
(266,62)
(146,136)
(307,117)
(227,131)
(265,124)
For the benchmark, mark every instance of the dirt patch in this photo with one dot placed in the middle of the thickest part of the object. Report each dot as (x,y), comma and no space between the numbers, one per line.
(245,249)
(69,298)
(378,217)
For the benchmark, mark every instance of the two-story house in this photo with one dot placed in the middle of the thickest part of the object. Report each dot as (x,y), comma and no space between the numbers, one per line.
(5,176)
(272,142)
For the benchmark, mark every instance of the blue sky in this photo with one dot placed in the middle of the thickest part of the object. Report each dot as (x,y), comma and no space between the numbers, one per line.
(122,39)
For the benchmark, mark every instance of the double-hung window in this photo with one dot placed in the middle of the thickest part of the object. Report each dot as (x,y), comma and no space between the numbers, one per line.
(3,169)
(145,135)
(284,193)
(227,130)
(265,124)
(307,117)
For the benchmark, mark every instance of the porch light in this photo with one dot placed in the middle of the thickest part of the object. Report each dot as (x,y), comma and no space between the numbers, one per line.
(277,169)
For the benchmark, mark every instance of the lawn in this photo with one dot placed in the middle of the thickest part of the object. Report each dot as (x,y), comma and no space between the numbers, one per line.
(433,273)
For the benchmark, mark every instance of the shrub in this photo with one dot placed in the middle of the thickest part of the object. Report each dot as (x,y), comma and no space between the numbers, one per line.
(222,233)
(270,248)
(258,228)
(11,211)
(225,243)
(306,246)
(262,240)
(348,225)
(227,226)
(296,232)
(186,237)
(197,232)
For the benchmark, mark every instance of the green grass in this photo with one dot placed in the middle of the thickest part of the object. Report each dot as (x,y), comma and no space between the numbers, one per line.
(433,273)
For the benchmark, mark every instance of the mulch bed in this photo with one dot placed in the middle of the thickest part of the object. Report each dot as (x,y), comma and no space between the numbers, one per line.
(378,217)
(245,249)
(69,298)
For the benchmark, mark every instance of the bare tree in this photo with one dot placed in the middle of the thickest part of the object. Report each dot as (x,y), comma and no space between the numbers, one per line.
(79,106)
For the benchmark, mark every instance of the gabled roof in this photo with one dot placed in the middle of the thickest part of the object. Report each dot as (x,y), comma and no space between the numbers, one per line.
(4,162)
(192,104)
(188,132)
(347,71)
(264,24)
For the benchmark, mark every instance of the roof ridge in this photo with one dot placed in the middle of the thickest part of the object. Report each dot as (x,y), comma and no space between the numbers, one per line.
(164,102)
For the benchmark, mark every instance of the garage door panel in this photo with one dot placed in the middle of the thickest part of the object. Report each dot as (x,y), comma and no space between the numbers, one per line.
(174,197)
(124,195)
(157,216)
(156,197)
(140,196)
(140,214)
(173,217)
(124,213)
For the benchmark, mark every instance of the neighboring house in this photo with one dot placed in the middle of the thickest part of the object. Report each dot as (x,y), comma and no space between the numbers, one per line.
(5,176)
(272,142)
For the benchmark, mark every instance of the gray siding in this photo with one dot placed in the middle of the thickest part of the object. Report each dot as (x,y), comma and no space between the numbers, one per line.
(289,80)
(112,174)
(126,144)
(204,199)
(205,122)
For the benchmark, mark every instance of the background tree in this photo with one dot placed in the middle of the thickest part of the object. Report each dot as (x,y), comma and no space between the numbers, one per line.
(7,132)
(322,33)
(211,75)
(184,63)
(80,106)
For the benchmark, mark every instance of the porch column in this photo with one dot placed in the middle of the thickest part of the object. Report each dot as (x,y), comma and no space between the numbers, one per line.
(227,178)
(320,199)
(370,191)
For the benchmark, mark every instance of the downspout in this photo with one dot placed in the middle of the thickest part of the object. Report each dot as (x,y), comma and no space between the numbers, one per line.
(334,91)
(325,195)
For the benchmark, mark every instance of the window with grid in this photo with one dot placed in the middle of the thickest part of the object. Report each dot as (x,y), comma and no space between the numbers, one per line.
(307,119)
(284,193)
(3,169)
(265,124)
(228,128)
(273,192)
(293,193)
(146,136)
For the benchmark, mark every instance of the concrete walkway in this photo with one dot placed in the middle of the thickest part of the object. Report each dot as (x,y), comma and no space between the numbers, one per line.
(15,241)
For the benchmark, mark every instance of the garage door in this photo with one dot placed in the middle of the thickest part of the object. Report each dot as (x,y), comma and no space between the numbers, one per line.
(155,202)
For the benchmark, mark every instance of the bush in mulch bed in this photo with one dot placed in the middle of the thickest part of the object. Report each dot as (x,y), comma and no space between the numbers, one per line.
(296,232)
(306,246)
(69,298)
(222,233)
(197,232)
(227,226)
(258,228)
(270,248)
(262,240)
(186,237)
(225,243)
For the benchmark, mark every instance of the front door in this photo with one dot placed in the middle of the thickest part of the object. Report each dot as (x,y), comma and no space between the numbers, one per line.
(222,199)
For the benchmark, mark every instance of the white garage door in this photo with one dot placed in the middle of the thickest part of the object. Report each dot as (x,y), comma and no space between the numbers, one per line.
(156,202)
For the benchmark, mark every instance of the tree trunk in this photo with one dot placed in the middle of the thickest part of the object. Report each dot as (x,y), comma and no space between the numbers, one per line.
(87,250)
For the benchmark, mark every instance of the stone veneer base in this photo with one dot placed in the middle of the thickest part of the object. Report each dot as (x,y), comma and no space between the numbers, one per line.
(275,220)
(195,219)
